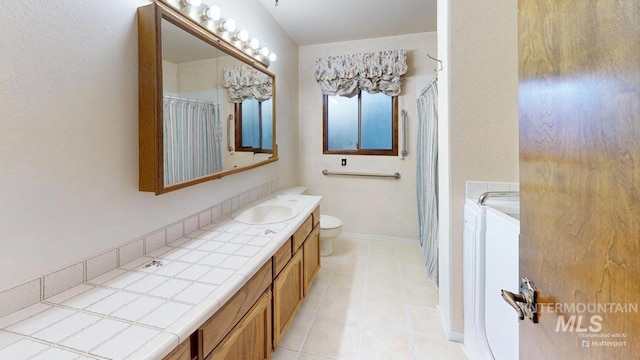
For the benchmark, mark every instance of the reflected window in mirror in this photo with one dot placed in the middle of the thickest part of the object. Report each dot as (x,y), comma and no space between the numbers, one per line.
(254,124)
(251,92)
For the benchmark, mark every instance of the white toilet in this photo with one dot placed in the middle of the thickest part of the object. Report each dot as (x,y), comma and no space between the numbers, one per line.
(330,226)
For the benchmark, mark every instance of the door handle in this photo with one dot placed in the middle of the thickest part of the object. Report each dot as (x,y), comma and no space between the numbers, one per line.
(526,302)
(513,300)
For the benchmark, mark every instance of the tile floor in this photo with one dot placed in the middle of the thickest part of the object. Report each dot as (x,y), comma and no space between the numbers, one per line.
(369,301)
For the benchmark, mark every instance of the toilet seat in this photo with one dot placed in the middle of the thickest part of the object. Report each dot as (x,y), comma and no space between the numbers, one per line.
(330,226)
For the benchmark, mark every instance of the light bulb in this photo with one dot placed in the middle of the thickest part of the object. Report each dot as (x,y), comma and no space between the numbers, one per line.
(254,44)
(212,13)
(273,57)
(192,9)
(229,25)
(264,52)
(242,35)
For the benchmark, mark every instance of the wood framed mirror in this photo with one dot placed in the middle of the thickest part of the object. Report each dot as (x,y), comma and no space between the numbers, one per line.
(192,84)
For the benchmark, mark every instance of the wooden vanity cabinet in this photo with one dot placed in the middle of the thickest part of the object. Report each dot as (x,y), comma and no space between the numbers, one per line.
(288,291)
(291,285)
(254,321)
(311,258)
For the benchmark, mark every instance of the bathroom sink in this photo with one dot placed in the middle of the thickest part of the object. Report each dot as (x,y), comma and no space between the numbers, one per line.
(266,214)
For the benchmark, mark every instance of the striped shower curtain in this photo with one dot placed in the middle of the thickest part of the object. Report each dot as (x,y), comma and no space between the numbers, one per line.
(192,139)
(427,187)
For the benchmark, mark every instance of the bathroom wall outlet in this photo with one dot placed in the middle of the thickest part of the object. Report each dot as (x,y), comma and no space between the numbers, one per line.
(343,162)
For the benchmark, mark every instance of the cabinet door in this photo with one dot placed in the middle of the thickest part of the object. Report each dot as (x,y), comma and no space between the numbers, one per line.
(251,338)
(311,259)
(182,352)
(288,290)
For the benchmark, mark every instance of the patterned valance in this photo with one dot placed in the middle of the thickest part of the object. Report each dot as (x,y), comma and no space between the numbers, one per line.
(372,72)
(245,82)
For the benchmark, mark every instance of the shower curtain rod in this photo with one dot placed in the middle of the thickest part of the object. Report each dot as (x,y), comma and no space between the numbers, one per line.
(210,102)
(437,69)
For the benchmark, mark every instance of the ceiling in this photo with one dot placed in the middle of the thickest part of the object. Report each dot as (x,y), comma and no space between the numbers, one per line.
(311,22)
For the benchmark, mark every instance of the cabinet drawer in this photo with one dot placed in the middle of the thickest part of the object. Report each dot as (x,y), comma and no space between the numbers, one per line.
(303,231)
(218,326)
(182,352)
(316,216)
(281,257)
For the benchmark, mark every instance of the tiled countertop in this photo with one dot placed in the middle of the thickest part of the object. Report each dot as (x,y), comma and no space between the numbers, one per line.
(147,307)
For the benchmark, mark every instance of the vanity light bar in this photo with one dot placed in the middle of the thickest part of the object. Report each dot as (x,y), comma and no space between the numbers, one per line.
(210,17)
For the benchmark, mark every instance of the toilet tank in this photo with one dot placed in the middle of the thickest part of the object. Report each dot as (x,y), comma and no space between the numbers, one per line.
(296,190)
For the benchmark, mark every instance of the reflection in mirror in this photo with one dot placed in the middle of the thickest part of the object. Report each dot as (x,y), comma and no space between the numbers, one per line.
(191,110)
(183,99)
(253,126)
(251,90)
(248,97)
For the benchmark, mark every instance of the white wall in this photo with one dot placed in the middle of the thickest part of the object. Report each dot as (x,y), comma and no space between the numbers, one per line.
(366,206)
(69,133)
(478,124)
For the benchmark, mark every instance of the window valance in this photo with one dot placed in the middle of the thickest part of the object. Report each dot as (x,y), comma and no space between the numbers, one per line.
(372,72)
(245,82)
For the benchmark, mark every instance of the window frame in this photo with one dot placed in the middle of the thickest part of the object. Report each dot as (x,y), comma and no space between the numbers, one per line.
(238,130)
(394,129)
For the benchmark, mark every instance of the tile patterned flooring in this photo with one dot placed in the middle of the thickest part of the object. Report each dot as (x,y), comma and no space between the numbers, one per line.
(370,300)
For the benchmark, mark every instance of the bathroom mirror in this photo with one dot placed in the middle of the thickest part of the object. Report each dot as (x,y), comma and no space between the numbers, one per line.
(206,108)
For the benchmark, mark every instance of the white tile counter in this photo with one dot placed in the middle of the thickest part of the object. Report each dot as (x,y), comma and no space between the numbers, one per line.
(144,309)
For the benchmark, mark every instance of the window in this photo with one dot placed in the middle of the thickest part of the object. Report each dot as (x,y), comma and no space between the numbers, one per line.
(366,124)
(254,121)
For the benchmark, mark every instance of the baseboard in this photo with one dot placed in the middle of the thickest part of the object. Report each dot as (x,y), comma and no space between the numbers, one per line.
(455,336)
(451,335)
(380,238)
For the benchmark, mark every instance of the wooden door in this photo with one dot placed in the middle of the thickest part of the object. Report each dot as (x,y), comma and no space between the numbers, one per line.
(580,177)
